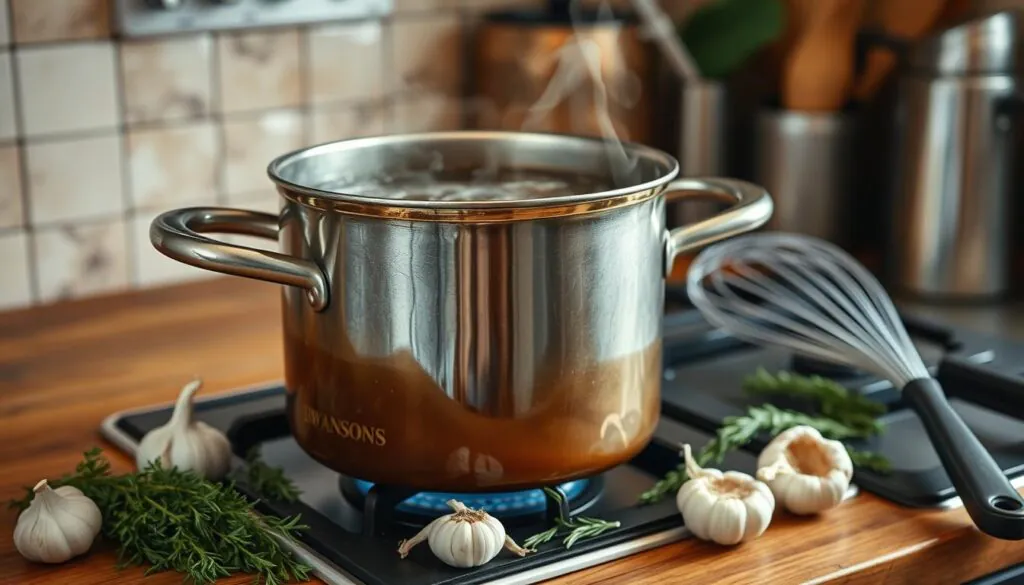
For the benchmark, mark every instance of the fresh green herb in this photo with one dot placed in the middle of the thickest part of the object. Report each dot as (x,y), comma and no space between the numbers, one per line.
(177,521)
(269,482)
(578,528)
(834,400)
(737,431)
(869,460)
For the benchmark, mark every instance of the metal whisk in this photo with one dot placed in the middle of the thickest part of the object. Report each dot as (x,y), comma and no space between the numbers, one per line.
(813,298)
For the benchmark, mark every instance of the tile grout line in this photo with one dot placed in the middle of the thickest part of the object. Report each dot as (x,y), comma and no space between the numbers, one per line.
(127,189)
(306,76)
(35,294)
(215,115)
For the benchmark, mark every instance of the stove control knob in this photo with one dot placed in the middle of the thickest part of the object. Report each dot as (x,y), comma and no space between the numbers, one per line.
(165,4)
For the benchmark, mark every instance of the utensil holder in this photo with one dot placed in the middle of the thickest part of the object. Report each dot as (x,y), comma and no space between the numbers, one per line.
(702,145)
(805,161)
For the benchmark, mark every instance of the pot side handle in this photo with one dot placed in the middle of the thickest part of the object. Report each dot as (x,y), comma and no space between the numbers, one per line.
(176,234)
(752,207)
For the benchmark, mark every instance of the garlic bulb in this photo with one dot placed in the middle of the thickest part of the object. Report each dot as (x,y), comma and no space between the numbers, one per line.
(727,508)
(186,444)
(59,524)
(807,472)
(467,538)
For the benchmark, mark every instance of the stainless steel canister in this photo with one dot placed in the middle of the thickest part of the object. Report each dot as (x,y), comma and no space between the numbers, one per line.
(804,159)
(954,166)
(703,133)
(468,345)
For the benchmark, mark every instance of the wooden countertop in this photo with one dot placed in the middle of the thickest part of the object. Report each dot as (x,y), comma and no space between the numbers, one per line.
(64,368)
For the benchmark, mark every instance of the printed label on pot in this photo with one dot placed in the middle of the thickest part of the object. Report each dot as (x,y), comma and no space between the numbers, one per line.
(345,429)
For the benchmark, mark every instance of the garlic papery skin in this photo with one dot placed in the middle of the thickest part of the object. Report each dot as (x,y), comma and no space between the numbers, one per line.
(466,538)
(58,524)
(726,508)
(806,472)
(186,444)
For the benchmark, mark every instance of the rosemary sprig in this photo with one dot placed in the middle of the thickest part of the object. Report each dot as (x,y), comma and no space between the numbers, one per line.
(737,431)
(869,460)
(177,521)
(578,528)
(834,400)
(269,482)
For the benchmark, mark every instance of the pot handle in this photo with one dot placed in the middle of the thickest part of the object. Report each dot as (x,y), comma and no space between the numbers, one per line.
(752,207)
(176,234)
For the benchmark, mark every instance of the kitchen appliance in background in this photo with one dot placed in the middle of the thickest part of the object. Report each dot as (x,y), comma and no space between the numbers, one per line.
(803,145)
(804,160)
(954,181)
(145,18)
(563,69)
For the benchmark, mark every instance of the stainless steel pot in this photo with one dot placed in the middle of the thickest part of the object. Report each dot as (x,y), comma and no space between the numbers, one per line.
(468,345)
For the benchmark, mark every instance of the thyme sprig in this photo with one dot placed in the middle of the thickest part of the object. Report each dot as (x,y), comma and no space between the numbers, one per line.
(177,521)
(845,415)
(578,528)
(269,482)
(833,399)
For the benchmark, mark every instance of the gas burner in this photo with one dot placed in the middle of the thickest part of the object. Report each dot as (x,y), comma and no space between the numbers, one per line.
(423,507)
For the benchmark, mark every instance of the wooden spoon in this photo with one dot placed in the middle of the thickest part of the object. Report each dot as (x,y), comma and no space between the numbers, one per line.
(818,73)
(905,19)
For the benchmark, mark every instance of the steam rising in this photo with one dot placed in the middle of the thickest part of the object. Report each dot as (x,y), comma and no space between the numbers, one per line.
(579,61)
(580,65)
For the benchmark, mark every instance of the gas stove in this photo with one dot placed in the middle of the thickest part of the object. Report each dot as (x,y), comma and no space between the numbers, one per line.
(355,527)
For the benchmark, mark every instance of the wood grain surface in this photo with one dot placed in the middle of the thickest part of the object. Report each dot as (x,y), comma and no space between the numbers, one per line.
(63,368)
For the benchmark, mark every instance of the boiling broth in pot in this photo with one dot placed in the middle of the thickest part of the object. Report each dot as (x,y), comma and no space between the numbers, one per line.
(479,185)
(358,413)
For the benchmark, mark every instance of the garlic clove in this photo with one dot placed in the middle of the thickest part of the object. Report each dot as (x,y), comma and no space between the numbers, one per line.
(726,508)
(185,443)
(807,473)
(727,521)
(59,524)
(466,538)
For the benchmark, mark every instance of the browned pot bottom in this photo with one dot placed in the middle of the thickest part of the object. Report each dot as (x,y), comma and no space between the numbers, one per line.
(387,421)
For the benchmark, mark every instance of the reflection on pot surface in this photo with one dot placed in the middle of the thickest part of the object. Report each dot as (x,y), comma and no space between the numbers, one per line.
(444,341)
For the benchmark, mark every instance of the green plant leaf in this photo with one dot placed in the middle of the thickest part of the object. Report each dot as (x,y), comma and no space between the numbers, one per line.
(723,34)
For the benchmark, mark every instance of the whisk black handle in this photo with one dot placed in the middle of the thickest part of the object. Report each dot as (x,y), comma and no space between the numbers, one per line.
(993,504)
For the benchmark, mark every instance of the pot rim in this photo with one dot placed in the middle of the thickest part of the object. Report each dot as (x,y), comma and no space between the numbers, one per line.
(412,208)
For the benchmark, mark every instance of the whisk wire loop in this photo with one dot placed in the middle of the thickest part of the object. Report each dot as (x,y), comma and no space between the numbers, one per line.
(807,295)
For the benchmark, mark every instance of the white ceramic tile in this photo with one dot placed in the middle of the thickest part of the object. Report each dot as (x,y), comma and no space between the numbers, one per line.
(15,286)
(250,143)
(172,166)
(427,54)
(346,61)
(11,211)
(65,88)
(259,70)
(429,112)
(328,124)
(5,28)
(166,79)
(79,260)
(60,20)
(75,178)
(8,126)
(151,268)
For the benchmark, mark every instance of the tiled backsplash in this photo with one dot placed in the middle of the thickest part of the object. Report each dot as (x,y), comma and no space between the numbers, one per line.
(99,134)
